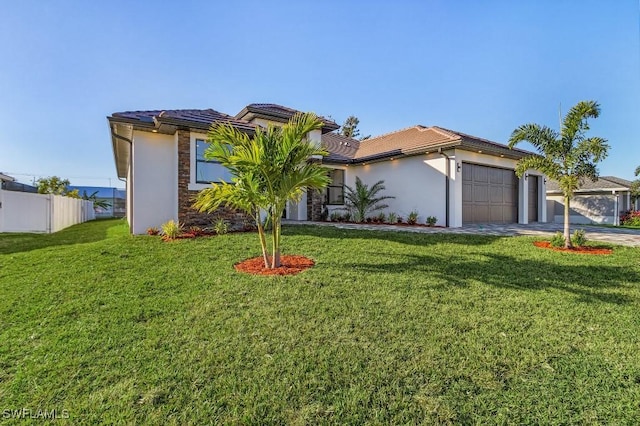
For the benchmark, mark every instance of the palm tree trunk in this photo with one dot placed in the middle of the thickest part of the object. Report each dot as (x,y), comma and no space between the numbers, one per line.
(275,232)
(567,231)
(263,243)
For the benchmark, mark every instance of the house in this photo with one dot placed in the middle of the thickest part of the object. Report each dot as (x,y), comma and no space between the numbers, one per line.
(438,172)
(601,201)
(9,183)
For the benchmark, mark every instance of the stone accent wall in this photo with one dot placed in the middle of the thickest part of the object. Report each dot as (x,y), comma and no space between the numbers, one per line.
(315,199)
(189,216)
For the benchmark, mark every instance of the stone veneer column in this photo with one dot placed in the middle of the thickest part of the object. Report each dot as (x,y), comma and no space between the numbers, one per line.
(315,200)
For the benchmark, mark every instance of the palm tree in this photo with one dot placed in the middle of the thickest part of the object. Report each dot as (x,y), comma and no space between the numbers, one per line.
(568,156)
(363,200)
(637,170)
(269,169)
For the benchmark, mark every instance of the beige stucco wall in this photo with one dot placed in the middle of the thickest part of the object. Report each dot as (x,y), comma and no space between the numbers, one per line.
(155,180)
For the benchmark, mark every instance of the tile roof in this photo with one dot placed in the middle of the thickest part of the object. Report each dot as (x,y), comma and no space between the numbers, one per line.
(604,183)
(282,112)
(421,138)
(341,148)
(199,118)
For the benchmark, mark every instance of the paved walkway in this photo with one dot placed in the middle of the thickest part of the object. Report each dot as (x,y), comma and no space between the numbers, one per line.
(621,236)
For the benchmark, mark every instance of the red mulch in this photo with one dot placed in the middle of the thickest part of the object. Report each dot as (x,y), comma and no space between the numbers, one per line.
(290,265)
(582,250)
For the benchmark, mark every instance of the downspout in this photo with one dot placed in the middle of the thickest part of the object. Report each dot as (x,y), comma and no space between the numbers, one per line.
(446,185)
(130,142)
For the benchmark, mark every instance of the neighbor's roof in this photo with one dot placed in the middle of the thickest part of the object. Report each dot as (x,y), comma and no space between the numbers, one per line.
(279,113)
(6,178)
(604,183)
(413,140)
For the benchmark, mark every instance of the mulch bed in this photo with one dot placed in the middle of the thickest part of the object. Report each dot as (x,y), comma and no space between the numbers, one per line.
(581,250)
(290,265)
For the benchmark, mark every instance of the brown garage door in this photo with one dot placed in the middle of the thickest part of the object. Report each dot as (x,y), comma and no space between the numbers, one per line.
(489,194)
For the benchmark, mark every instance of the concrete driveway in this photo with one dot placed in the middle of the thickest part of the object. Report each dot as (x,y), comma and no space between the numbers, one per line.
(621,236)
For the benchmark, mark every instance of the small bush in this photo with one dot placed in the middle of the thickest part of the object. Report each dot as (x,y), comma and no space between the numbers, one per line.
(369,219)
(630,218)
(220,226)
(392,218)
(196,231)
(153,231)
(557,240)
(432,220)
(347,217)
(382,218)
(171,229)
(335,217)
(325,214)
(412,219)
(400,219)
(579,237)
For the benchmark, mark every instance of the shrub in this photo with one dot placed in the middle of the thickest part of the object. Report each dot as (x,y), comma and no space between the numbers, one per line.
(196,231)
(557,240)
(369,219)
(432,220)
(153,231)
(325,214)
(171,229)
(335,217)
(347,217)
(392,218)
(630,218)
(382,218)
(579,238)
(220,226)
(412,219)
(400,219)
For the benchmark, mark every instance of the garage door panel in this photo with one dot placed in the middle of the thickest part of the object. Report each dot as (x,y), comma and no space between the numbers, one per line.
(490,194)
(467,192)
(497,195)
(480,194)
(480,174)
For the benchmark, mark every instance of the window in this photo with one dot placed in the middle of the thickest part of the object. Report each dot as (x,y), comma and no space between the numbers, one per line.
(334,194)
(208,171)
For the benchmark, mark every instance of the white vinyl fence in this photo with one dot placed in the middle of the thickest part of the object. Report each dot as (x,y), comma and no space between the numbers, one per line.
(28,212)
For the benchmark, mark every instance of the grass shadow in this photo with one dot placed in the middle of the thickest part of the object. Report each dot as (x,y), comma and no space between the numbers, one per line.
(87,232)
(591,283)
(402,237)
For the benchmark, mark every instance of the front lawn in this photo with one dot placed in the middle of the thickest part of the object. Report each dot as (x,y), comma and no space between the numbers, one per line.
(386,328)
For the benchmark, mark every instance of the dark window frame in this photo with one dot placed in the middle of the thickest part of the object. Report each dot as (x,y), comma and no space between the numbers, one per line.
(340,187)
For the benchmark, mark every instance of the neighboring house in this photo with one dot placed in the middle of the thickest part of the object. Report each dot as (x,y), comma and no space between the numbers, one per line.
(9,183)
(437,172)
(601,201)
(114,197)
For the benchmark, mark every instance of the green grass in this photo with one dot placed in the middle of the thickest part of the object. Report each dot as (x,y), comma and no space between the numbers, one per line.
(386,328)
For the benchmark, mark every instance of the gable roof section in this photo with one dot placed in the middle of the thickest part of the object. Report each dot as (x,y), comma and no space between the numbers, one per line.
(604,183)
(412,140)
(275,112)
(341,148)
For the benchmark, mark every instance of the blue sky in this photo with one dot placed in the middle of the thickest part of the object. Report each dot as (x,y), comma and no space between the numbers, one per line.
(480,67)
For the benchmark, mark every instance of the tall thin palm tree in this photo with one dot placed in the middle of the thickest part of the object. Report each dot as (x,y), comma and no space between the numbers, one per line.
(568,157)
(269,169)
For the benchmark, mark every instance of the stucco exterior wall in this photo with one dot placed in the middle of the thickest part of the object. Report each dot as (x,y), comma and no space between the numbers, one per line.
(417,183)
(154,183)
